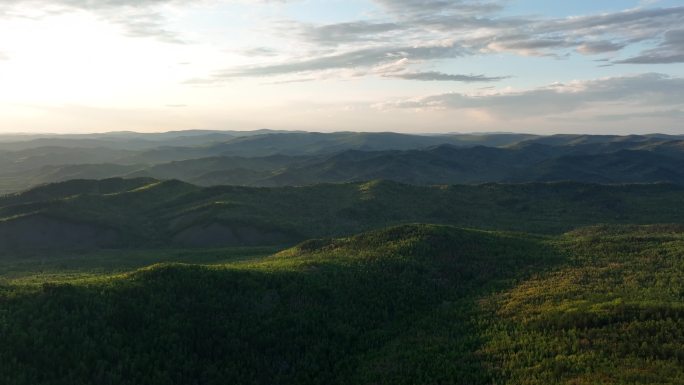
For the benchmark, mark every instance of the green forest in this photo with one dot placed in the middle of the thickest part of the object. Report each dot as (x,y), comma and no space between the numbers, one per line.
(410,304)
(344,258)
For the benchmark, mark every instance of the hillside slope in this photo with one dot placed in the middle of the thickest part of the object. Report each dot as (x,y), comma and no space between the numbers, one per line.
(613,313)
(411,304)
(173,213)
(334,312)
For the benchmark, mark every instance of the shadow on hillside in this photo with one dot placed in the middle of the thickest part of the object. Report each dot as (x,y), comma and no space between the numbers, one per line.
(404,316)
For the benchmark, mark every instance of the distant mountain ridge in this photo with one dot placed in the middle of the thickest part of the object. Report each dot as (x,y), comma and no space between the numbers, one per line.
(267,158)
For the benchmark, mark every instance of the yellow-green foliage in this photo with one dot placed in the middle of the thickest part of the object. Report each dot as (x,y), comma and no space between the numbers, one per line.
(414,304)
(612,314)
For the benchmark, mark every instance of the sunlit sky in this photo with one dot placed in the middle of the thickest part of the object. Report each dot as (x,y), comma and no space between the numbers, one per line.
(585,66)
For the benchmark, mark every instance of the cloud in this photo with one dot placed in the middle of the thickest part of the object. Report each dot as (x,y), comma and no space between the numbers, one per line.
(526,45)
(347,32)
(440,76)
(259,51)
(476,28)
(638,23)
(91,4)
(138,18)
(596,47)
(419,8)
(588,35)
(422,31)
(654,114)
(640,90)
(290,81)
(363,60)
(671,50)
(147,25)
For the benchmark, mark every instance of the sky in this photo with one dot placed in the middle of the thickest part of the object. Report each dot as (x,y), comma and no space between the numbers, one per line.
(424,66)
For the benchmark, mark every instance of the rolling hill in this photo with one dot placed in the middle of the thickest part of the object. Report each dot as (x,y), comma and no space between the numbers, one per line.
(403,305)
(168,277)
(41,159)
(150,213)
(298,159)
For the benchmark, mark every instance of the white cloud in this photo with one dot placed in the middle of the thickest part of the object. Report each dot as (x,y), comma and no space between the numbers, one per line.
(670,50)
(466,27)
(638,91)
(270,64)
(138,18)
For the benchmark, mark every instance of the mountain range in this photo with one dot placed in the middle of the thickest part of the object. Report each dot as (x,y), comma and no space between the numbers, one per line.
(264,158)
(346,258)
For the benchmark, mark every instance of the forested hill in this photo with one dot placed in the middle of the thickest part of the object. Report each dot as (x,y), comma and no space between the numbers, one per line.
(144,212)
(418,304)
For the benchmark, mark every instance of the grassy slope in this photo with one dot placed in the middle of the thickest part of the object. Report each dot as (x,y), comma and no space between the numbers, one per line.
(412,304)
